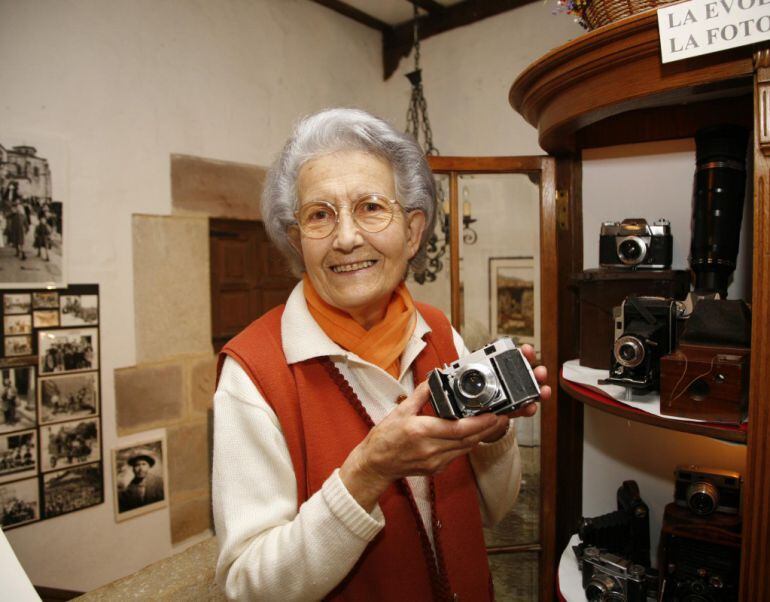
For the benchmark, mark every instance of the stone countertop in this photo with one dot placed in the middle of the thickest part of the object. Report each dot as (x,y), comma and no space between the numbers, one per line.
(188,575)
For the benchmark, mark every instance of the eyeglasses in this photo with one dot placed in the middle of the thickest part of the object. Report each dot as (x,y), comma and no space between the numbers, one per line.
(372,213)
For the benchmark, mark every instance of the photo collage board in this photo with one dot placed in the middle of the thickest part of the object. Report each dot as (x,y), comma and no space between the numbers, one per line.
(51,460)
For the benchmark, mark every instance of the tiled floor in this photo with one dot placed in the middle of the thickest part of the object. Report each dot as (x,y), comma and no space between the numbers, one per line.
(515,575)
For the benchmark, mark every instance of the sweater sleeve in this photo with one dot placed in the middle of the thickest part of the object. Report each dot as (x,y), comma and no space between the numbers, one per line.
(497,467)
(267,549)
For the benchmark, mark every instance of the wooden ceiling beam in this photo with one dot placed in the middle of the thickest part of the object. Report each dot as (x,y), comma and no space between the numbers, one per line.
(353,13)
(397,41)
(432,6)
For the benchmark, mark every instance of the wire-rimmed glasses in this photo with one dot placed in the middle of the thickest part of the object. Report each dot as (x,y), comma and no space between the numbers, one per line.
(371,212)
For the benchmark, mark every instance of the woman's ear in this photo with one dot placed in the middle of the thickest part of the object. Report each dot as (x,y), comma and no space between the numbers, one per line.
(415,221)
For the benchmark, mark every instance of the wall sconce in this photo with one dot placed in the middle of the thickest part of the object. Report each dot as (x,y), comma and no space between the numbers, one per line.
(469,234)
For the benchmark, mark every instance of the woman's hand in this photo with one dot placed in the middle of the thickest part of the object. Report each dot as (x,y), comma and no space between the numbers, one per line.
(406,444)
(541,374)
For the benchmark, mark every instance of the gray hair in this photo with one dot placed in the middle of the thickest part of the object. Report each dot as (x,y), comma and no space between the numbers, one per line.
(333,130)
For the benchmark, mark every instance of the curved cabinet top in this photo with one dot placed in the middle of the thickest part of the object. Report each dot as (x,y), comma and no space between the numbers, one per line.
(616,69)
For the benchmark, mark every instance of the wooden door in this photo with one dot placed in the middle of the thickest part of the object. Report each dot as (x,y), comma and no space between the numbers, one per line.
(248,276)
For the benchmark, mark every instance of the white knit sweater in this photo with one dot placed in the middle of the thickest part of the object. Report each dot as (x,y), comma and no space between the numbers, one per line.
(268,550)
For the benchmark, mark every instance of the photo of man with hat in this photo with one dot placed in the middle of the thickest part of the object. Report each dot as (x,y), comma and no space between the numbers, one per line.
(146,487)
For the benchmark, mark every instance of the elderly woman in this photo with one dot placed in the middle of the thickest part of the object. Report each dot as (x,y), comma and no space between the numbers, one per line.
(332,476)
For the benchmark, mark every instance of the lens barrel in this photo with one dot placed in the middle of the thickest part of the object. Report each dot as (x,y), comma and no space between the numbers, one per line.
(718,193)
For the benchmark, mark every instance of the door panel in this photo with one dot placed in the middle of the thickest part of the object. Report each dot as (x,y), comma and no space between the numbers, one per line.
(248,276)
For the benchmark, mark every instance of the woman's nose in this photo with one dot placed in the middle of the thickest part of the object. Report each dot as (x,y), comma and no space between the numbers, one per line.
(347,235)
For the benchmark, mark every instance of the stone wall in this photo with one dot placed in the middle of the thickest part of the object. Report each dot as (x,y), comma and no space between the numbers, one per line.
(172,384)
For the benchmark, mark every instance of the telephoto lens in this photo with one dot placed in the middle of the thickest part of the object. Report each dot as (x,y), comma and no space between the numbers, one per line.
(719,189)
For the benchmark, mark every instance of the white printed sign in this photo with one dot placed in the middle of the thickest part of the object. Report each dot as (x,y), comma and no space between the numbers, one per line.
(700,27)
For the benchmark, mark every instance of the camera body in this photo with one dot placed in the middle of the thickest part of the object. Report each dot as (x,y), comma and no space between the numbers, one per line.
(700,557)
(707,490)
(497,378)
(625,531)
(633,243)
(610,577)
(645,331)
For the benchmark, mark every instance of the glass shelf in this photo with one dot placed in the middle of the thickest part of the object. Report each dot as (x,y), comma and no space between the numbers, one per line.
(605,403)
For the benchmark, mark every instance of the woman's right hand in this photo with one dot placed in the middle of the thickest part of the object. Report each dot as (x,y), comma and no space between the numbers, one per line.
(407,444)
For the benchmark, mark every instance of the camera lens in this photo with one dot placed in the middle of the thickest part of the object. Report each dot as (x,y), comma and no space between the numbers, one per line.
(629,351)
(472,383)
(630,250)
(702,498)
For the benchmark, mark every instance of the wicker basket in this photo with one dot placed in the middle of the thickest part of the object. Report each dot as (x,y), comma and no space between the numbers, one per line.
(604,12)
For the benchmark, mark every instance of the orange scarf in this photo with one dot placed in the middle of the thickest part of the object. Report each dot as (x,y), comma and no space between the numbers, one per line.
(381,345)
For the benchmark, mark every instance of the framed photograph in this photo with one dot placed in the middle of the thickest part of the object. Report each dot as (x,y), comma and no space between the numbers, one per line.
(68,397)
(17,303)
(72,489)
(45,318)
(19,503)
(79,310)
(18,455)
(17,346)
(69,444)
(17,398)
(34,189)
(71,350)
(140,478)
(45,300)
(17,324)
(514,299)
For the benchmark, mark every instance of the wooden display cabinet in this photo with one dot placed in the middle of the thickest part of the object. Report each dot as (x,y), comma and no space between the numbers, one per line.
(609,87)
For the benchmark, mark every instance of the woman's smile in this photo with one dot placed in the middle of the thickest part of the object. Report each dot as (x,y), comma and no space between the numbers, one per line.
(346,268)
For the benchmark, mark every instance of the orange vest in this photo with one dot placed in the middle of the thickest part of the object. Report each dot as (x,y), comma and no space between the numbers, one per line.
(324,427)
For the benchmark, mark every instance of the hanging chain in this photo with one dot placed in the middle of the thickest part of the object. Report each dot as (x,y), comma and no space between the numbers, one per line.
(417,113)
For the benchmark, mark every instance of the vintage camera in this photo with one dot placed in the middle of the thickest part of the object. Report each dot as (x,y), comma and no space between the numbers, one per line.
(607,576)
(707,490)
(625,531)
(633,243)
(496,378)
(700,557)
(645,330)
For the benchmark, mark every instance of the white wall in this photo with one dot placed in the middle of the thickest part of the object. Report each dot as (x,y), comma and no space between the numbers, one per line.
(128,83)
(646,180)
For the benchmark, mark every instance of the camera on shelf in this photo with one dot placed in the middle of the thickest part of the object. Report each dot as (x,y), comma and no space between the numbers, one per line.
(497,378)
(645,330)
(625,531)
(607,576)
(707,490)
(633,243)
(699,556)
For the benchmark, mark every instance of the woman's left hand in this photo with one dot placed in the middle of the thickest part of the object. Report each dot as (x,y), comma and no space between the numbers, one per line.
(529,410)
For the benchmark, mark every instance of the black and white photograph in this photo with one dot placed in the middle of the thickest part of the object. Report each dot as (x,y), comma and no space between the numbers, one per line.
(45,318)
(68,350)
(79,310)
(17,324)
(17,346)
(18,456)
(45,300)
(17,303)
(69,444)
(72,489)
(68,397)
(32,191)
(19,503)
(17,398)
(140,478)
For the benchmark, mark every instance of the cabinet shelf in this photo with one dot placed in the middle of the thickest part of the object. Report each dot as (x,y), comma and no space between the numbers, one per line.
(609,87)
(605,403)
